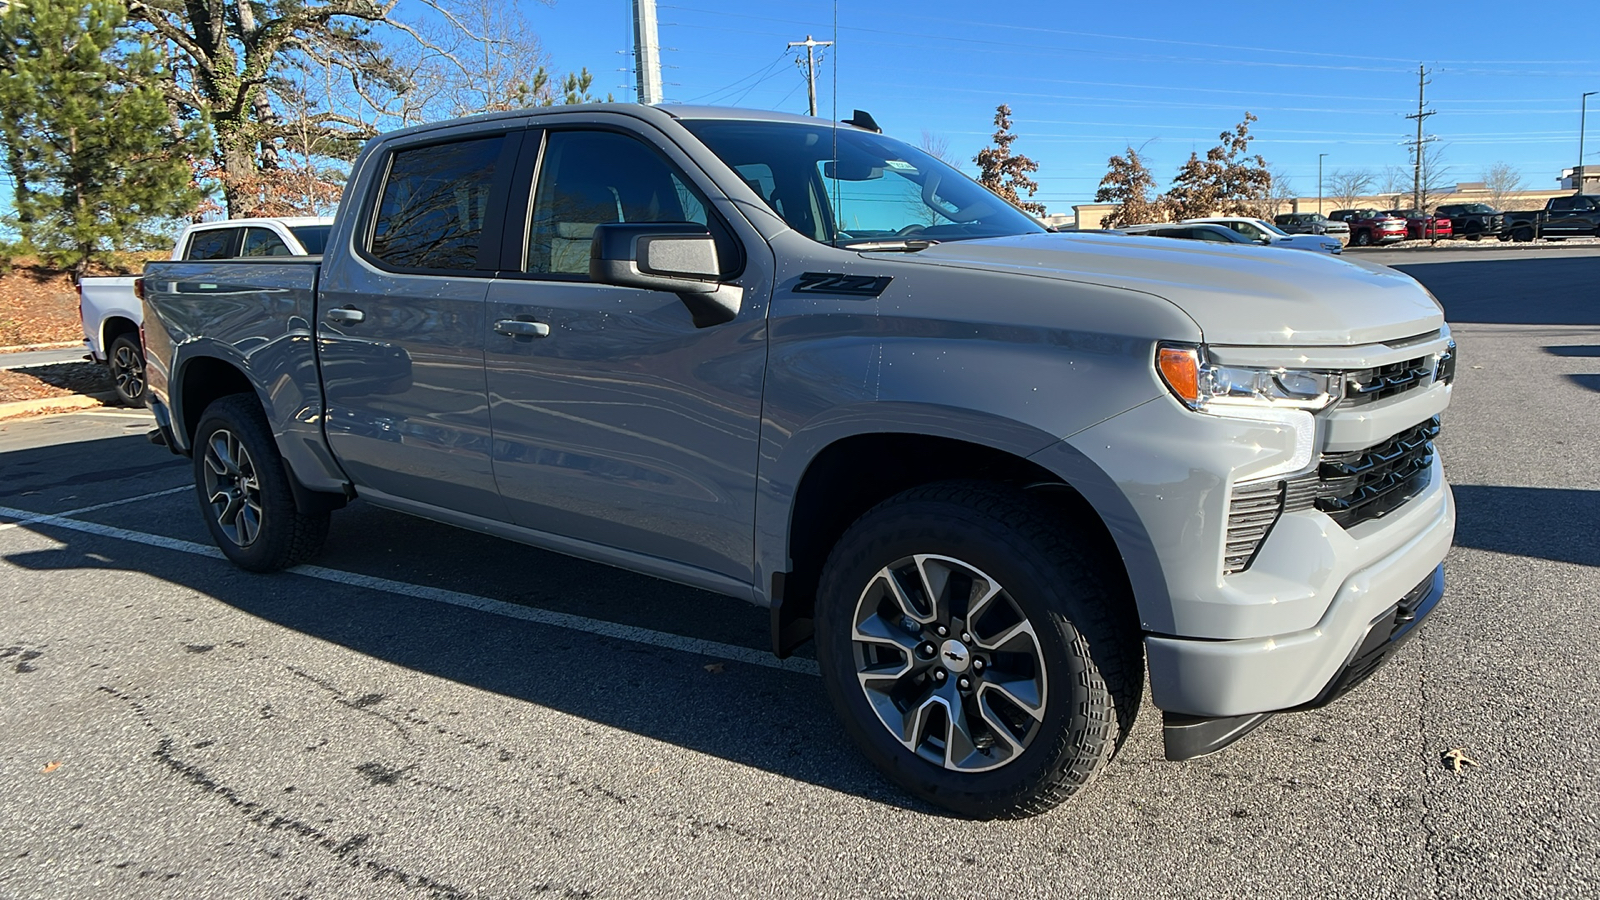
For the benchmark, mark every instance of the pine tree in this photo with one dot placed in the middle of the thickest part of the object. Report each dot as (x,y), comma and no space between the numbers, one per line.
(93,151)
(1003,173)
(1128,183)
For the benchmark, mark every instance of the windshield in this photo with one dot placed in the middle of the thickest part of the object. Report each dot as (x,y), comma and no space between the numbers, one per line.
(874,189)
(1268,226)
(312,237)
(1476,209)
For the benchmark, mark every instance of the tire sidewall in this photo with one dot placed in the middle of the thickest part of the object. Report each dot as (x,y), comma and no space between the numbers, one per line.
(237,414)
(921,527)
(111,365)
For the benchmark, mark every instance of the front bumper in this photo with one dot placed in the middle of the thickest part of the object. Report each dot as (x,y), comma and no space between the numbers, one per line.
(1187,737)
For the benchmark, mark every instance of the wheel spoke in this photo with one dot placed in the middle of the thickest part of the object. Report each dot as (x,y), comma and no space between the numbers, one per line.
(935,581)
(1018,638)
(1023,693)
(875,630)
(900,597)
(960,745)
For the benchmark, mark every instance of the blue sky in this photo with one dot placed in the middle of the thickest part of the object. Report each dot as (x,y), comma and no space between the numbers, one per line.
(1085,80)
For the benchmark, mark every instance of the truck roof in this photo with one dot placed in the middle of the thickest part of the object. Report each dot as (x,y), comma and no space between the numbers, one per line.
(638,110)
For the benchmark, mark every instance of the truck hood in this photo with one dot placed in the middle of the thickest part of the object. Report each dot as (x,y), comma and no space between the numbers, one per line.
(1237,294)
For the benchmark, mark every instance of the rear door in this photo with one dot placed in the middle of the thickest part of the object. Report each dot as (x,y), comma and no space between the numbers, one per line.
(620,424)
(401,324)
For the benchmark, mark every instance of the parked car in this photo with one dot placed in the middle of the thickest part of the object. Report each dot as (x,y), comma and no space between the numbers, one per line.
(1422,225)
(1473,220)
(109,306)
(1369,226)
(740,350)
(1575,216)
(1265,232)
(1312,223)
(1193,232)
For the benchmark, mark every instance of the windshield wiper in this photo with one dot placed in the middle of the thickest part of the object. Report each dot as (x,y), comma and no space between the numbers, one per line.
(902,245)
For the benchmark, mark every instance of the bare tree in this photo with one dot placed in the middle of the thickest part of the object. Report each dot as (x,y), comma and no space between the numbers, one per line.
(1392,183)
(1437,179)
(937,146)
(1278,197)
(1346,187)
(1502,181)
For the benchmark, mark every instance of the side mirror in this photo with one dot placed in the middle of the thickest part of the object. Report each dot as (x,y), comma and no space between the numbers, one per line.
(680,257)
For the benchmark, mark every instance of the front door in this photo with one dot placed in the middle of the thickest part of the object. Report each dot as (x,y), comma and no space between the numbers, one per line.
(401,327)
(616,421)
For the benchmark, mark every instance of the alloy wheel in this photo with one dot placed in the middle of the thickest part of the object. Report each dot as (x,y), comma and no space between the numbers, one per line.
(949,663)
(233,490)
(127,371)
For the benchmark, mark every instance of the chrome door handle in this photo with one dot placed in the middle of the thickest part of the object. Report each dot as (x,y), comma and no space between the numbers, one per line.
(520,328)
(345,315)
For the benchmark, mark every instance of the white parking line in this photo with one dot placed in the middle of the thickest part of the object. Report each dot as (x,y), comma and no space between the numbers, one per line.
(35,517)
(713,649)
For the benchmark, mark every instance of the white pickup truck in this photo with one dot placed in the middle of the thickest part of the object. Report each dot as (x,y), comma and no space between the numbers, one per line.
(112,311)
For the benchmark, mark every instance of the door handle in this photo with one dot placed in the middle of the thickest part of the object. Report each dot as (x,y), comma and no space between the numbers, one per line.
(521,328)
(345,315)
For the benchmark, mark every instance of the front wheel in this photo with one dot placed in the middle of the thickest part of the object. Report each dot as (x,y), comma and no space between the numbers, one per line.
(1522,235)
(1363,238)
(976,651)
(244,491)
(125,361)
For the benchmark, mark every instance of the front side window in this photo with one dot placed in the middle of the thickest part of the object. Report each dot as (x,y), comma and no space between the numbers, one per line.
(591,178)
(434,204)
(213,243)
(262,242)
(845,187)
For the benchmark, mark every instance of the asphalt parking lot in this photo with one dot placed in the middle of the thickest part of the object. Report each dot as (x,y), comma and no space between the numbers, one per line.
(432,713)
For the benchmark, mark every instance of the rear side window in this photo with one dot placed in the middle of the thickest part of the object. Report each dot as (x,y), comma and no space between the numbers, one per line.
(261,242)
(312,237)
(434,204)
(213,243)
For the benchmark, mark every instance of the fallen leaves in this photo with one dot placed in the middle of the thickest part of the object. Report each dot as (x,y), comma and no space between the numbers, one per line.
(58,380)
(714,668)
(50,768)
(1457,758)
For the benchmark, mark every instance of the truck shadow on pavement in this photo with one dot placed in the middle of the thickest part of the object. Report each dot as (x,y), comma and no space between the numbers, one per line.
(763,718)
(1559,524)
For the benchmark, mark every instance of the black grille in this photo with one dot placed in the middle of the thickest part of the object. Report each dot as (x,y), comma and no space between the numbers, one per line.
(1361,485)
(1368,385)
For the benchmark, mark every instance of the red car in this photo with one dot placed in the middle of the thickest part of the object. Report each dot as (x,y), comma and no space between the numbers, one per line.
(1369,226)
(1421,226)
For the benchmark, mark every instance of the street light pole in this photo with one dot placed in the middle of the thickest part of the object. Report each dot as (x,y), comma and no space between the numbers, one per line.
(1583,112)
(1319,182)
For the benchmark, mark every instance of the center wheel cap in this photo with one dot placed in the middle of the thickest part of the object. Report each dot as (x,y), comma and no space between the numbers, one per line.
(955,656)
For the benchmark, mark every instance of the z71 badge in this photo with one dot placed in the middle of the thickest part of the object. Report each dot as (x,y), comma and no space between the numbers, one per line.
(851,285)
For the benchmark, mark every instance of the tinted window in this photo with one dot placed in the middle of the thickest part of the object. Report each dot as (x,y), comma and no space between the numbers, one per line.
(214,243)
(261,242)
(590,178)
(434,204)
(312,237)
(1561,204)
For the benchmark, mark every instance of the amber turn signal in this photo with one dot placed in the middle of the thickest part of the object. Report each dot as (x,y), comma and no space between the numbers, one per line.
(1180,369)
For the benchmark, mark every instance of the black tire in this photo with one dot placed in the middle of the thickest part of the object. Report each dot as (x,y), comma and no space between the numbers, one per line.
(125,364)
(250,510)
(1088,644)
(1522,235)
(1362,238)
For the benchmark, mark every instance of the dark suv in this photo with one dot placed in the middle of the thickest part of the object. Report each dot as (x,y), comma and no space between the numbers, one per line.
(1312,223)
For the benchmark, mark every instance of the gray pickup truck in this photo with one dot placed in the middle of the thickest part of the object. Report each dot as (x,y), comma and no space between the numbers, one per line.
(1000,475)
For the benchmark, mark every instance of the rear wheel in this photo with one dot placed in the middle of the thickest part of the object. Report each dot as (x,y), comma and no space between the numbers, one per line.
(125,362)
(244,491)
(975,651)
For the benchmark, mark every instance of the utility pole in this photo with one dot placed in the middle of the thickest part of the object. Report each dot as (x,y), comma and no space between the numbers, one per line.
(1583,112)
(811,66)
(646,52)
(1417,148)
(1319,182)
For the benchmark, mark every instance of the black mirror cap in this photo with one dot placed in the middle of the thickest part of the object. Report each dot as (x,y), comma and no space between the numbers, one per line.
(680,257)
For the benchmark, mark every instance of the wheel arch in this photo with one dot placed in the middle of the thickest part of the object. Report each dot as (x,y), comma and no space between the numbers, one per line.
(114,326)
(852,473)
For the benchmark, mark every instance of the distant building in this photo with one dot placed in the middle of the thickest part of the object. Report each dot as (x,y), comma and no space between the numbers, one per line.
(1590,176)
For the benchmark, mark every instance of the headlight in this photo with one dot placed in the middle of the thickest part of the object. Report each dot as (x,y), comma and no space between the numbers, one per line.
(1208,387)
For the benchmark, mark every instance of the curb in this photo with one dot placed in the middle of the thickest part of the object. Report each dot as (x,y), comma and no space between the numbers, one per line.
(29,348)
(50,405)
